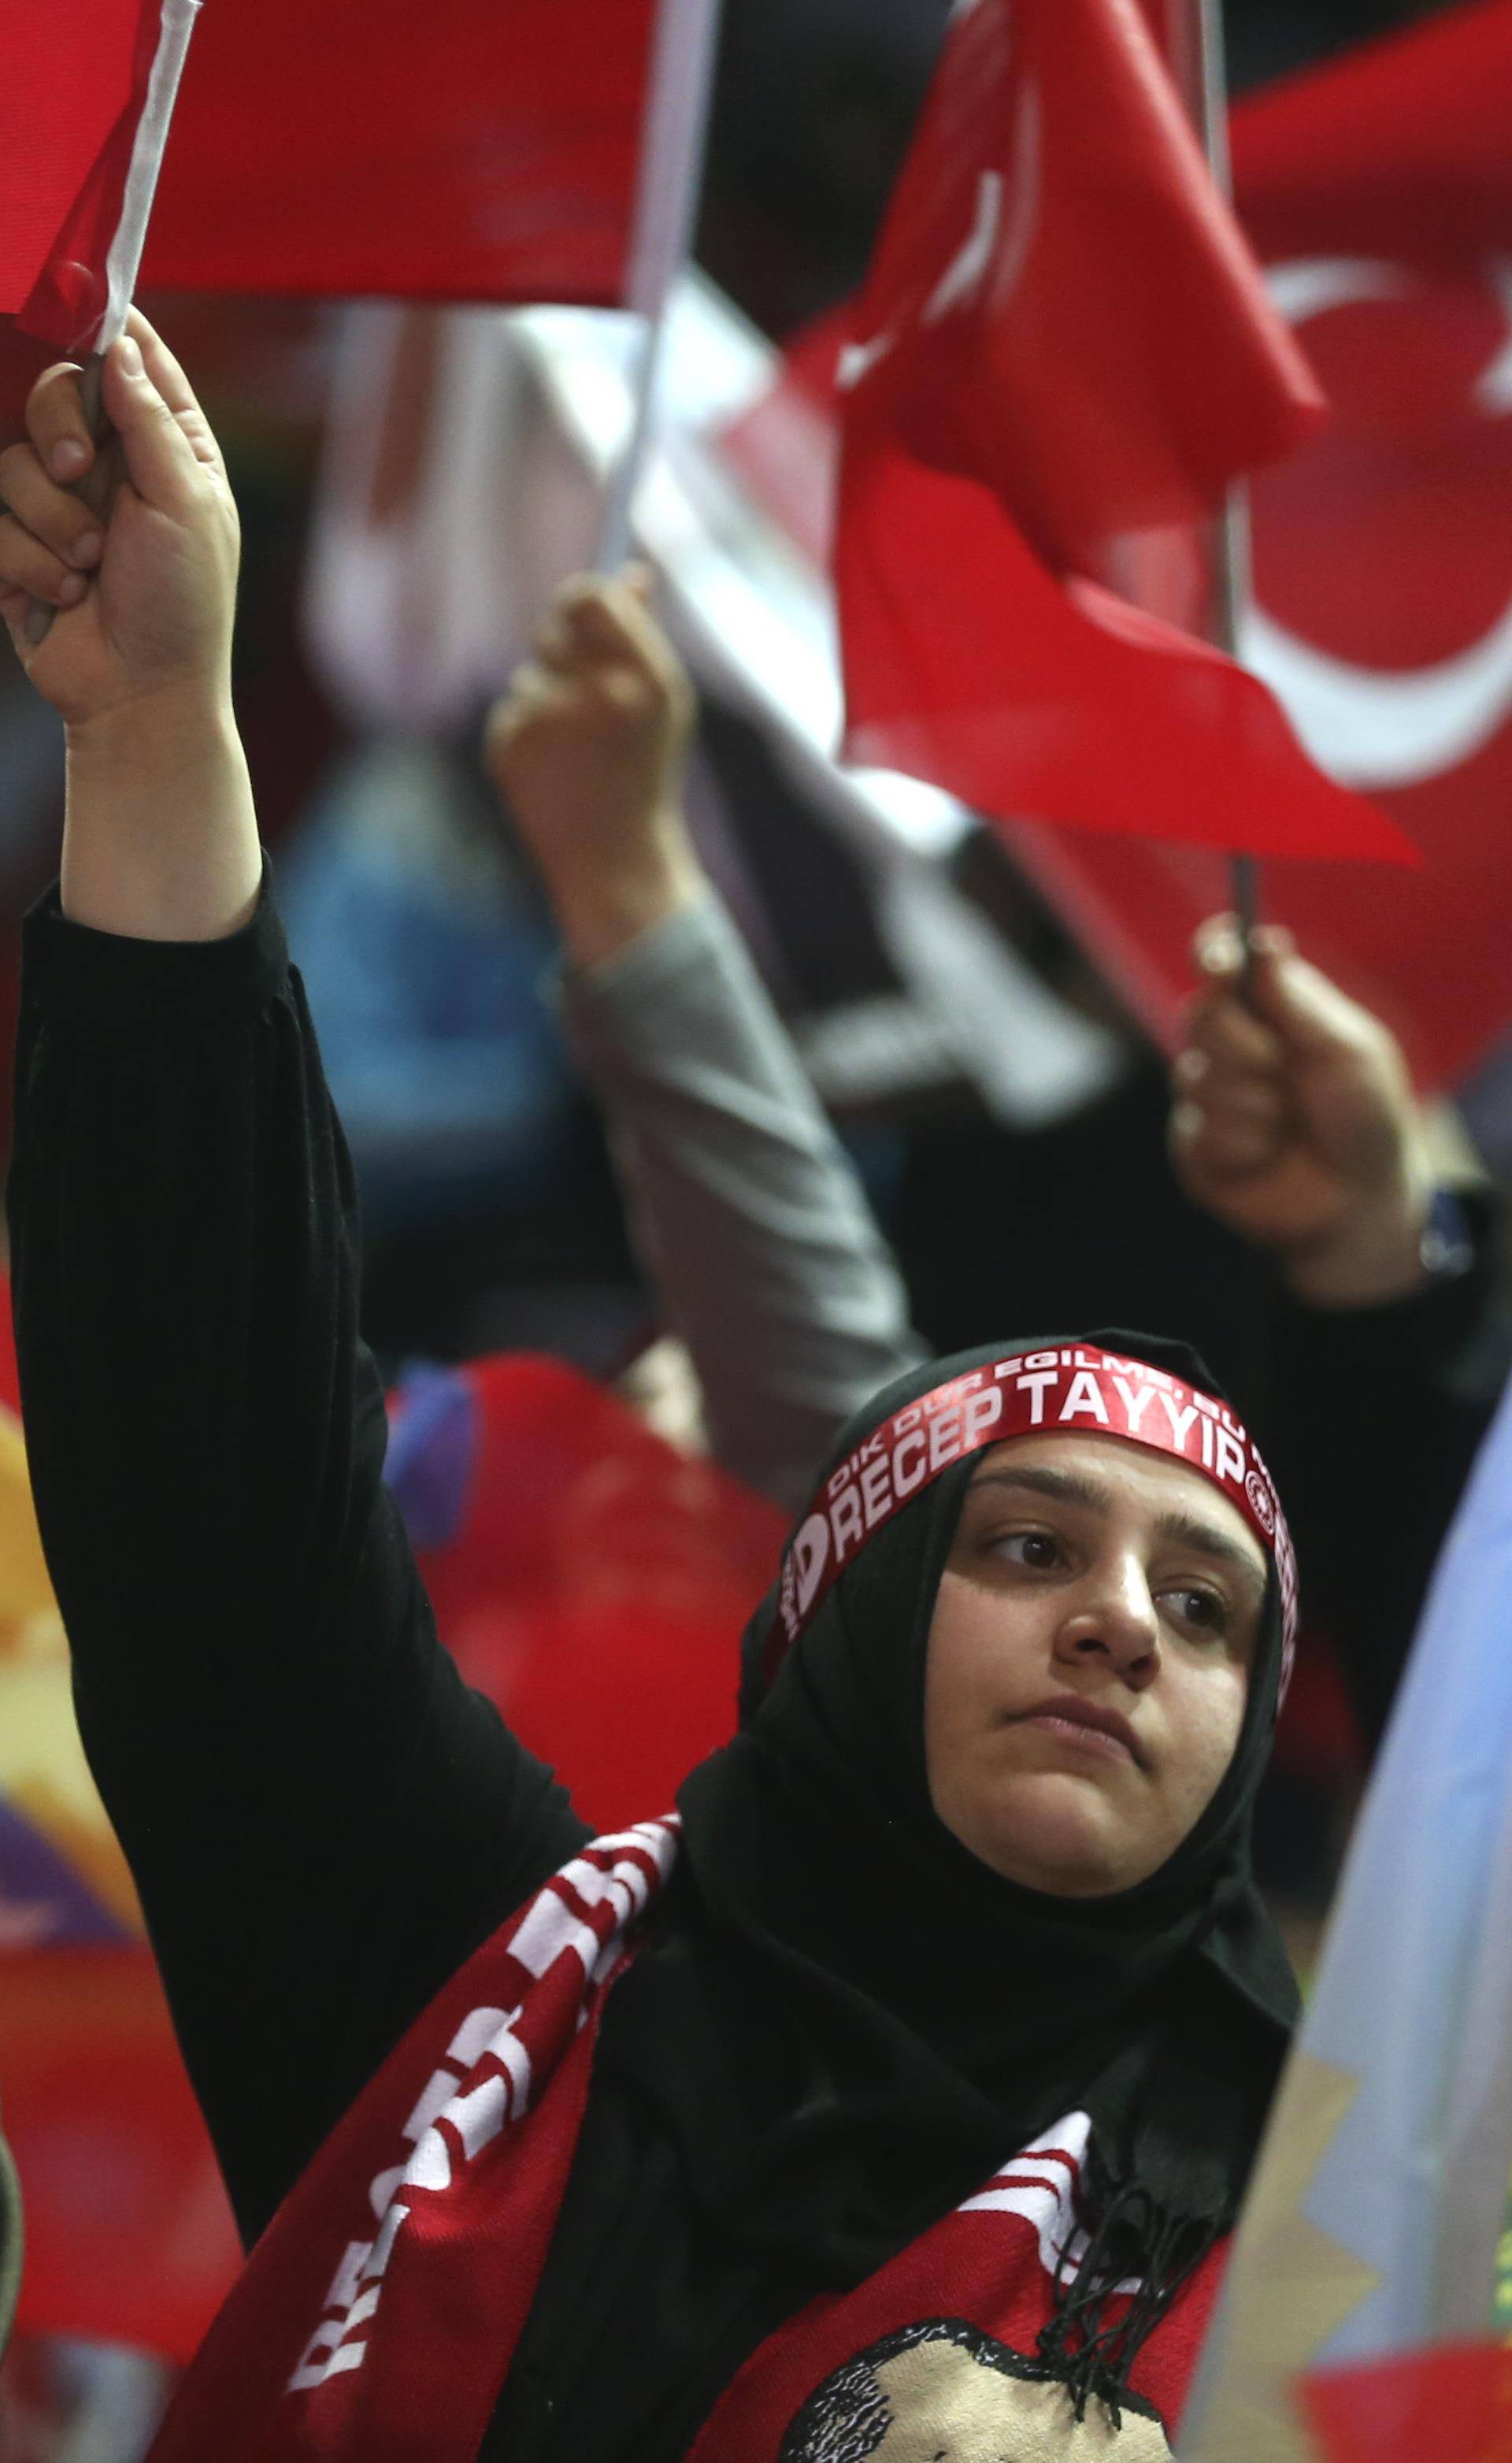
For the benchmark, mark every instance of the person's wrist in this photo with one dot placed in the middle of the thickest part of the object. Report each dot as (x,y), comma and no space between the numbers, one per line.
(160,838)
(152,724)
(600,910)
(1374,1256)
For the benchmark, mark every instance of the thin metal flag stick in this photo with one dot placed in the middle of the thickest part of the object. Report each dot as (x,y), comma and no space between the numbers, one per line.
(661,236)
(1195,50)
(123,263)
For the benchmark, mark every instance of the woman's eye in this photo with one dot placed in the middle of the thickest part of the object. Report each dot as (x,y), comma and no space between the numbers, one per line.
(1039,1550)
(1204,1608)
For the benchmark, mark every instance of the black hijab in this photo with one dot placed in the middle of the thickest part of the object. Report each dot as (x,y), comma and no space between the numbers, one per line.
(843,2021)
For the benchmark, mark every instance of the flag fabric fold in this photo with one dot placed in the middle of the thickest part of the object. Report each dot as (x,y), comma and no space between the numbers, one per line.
(1060,304)
(1064,354)
(969,664)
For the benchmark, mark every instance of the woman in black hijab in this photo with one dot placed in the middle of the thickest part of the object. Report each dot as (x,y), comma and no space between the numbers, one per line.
(921,2079)
(921,1917)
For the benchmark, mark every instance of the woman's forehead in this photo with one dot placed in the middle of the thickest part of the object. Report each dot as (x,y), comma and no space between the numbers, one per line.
(1119,1470)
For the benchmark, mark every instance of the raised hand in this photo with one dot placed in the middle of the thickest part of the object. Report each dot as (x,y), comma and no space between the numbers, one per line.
(160,840)
(1295,1122)
(144,595)
(589,747)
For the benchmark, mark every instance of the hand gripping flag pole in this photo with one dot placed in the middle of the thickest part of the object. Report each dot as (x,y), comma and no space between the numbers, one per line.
(661,234)
(123,261)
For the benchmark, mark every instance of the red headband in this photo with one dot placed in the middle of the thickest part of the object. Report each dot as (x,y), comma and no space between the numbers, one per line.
(1083,1392)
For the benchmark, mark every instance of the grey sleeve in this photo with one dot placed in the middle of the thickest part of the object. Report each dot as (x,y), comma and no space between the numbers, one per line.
(746,1206)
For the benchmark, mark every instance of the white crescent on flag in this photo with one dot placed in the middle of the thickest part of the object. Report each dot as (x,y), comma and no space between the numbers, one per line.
(1385,727)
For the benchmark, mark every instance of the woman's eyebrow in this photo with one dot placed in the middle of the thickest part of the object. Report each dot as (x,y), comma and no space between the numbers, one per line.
(1067,1487)
(1183,1530)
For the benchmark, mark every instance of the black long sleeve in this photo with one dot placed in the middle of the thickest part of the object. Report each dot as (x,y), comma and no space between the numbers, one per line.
(1377,1414)
(322,1819)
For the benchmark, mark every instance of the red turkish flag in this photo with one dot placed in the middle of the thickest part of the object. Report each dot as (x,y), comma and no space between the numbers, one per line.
(1454,2404)
(460,149)
(1379,191)
(1059,305)
(1065,348)
(77,81)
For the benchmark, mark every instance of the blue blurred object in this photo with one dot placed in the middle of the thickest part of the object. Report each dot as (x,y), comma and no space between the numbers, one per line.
(423,960)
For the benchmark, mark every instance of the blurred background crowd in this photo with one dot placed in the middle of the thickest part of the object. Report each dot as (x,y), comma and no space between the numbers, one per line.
(985,1061)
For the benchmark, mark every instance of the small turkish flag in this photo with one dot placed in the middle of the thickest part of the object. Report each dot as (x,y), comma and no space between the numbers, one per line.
(84,105)
(1065,351)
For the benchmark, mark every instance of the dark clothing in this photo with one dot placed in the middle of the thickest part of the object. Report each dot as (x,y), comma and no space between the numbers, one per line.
(1376,1415)
(323,1821)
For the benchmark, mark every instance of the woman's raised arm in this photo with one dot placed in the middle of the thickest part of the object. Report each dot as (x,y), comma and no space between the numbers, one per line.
(322,1819)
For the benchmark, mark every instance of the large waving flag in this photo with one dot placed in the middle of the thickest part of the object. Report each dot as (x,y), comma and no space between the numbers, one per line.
(1378,192)
(467,150)
(463,149)
(1063,350)
(1372,2225)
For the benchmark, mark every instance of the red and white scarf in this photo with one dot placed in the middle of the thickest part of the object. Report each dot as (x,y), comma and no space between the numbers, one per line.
(377,2316)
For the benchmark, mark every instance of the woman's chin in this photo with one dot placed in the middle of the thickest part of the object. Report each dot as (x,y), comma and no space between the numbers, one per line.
(1057,1831)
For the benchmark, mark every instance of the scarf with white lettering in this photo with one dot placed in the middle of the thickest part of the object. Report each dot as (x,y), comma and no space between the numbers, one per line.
(378,2314)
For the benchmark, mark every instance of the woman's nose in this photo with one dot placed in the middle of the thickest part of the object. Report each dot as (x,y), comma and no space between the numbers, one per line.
(1115,1621)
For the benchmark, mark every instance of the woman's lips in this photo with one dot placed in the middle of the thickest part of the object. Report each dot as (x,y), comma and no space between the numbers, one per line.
(1087,1727)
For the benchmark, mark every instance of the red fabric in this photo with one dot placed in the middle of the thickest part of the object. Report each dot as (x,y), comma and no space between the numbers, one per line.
(1384,181)
(378,2315)
(1453,2404)
(76,77)
(597,1584)
(1399,145)
(969,664)
(1059,304)
(129,2232)
(1063,342)
(935,2336)
(465,149)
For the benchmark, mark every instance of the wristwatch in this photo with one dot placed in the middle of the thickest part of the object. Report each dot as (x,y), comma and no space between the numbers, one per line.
(1448,1244)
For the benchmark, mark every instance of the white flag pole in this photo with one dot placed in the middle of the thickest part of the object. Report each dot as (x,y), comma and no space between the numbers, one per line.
(123,263)
(672,152)
(1195,50)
